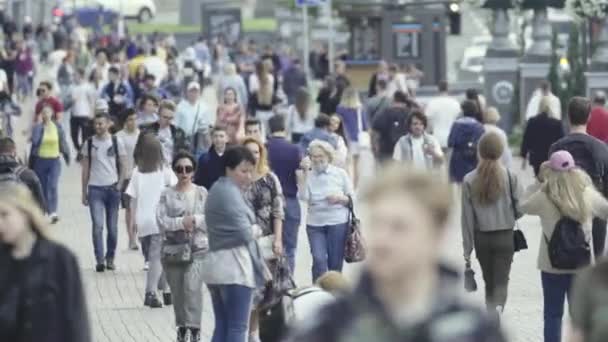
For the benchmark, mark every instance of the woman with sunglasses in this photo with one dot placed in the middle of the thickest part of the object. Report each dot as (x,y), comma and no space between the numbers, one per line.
(180,217)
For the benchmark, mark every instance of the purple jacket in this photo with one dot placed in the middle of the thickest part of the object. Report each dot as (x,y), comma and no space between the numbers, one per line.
(352,126)
(24,62)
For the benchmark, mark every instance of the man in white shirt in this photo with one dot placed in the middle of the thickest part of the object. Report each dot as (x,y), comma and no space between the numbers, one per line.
(83,95)
(441,112)
(534,104)
(192,114)
(103,170)
(418,148)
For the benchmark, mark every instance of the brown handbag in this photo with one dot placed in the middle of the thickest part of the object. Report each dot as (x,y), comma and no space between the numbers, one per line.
(354,250)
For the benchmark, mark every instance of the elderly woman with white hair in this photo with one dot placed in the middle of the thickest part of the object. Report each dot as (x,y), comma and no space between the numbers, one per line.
(490,124)
(327,190)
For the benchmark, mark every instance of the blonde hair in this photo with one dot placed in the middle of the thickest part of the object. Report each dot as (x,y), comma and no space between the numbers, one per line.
(566,190)
(21,197)
(350,98)
(262,167)
(429,188)
(492,116)
(545,106)
(324,147)
(489,183)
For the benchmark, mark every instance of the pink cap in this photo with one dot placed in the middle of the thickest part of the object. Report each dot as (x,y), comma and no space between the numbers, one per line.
(561,161)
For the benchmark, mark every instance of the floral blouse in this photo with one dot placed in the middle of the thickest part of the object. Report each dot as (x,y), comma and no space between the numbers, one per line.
(265,196)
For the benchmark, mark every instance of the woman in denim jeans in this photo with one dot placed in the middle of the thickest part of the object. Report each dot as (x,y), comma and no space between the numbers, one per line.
(181,208)
(563,190)
(234,267)
(49,144)
(327,190)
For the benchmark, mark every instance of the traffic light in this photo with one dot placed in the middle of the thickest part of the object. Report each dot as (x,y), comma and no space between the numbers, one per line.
(454,15)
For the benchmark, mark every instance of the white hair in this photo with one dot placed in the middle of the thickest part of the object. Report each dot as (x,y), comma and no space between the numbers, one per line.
(324,147)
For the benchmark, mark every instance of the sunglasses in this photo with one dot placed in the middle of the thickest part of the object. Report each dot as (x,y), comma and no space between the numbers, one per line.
(184,169)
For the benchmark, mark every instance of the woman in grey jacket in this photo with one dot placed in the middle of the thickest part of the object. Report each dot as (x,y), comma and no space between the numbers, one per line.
(180,213)
(234,266)
(489,201)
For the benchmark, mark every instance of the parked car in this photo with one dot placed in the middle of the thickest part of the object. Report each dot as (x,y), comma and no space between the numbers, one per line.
(142,10)
(90,14)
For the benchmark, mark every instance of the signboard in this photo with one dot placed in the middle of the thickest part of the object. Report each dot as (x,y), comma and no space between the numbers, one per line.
(310,2)
(406,40)
(224,22)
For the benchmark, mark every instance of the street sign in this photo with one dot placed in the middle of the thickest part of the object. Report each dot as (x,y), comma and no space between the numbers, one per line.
(310,2)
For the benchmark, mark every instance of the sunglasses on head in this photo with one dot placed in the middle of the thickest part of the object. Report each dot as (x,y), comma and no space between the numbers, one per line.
(184,169)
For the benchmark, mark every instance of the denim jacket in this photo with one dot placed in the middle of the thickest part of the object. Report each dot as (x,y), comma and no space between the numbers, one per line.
(38,133)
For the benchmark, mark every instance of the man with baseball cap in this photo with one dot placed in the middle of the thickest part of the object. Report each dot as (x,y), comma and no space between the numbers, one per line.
(192,114)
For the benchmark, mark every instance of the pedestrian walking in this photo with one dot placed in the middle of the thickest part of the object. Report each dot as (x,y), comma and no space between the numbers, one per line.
(327,190)
(490,197)
(265,196)
(563,191)
(321,131)
(148,110)
(294,79)
(490,124)
(230,114)
(49,144)
(83,96)
(336,129)
(11,170)
(441,111)
(42,297)
(148,180)
(285,158)
(598,118)
(299,118)
(261,88)
(540,133)
(379,102)
(231,79)
(119,95)
(129,136)
(181,218)
(235,266)
(419,149)
(103,170)
(590,154)
(408,212)
(46,98)
(329,96)
(253,129)
(172,138)
(463,139)
(211,164)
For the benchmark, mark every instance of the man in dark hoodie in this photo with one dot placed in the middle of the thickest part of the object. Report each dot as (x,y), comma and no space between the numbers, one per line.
(211,164)
(12,171)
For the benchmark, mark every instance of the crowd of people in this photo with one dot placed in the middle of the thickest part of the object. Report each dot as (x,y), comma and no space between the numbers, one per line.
(217,199)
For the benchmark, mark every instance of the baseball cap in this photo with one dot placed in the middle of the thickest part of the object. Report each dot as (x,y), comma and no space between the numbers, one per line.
(561,161)
(193,85)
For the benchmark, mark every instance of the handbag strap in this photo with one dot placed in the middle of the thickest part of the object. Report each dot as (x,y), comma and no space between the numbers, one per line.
(513,202)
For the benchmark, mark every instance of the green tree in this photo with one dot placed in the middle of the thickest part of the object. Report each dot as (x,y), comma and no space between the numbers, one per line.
(575,82)
(554,74)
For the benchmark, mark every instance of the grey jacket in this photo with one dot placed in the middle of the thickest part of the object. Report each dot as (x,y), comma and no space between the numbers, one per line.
(495,217)
(405,145)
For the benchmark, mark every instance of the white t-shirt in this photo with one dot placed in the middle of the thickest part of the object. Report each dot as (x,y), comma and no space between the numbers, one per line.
(84,96)
(166,141)
(295,124)
(103,160)
(146,189)
(418,152)
(441,112)
(129,140)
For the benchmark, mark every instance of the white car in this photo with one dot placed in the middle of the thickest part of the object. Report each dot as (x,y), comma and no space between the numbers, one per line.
(142,10)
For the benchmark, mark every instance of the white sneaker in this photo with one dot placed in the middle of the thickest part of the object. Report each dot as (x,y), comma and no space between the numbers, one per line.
(146,266)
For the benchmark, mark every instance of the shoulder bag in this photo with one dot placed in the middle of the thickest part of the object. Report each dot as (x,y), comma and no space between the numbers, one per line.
(177,245)
(519,239)
(354,250)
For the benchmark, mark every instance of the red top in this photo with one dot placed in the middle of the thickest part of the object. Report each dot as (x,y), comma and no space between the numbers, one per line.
(597,125)
(51,101)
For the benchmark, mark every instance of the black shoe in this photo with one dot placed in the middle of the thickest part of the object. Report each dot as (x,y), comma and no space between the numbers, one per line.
(195,335)
(167,298)
(182,333)
(152,301)
(110,265)
(100,268)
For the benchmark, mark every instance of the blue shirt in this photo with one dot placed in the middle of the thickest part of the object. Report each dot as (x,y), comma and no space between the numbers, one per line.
(284,158)
(319,185)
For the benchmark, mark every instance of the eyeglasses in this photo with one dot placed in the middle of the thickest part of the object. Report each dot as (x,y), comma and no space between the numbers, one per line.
(184,169)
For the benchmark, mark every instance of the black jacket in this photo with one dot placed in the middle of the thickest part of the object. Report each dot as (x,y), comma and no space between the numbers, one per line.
(361,317)
(210,168)
(41,297)
(180,142)
(540,133)
(27,176)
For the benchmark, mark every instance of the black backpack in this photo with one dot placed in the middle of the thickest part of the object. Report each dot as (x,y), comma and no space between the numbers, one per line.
(584,159)
(568,248)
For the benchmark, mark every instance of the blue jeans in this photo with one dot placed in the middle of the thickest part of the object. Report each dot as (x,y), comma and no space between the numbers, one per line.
(103,204)
(327,248)
(48,170)
(231,308)
(555,289)
(291,226)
